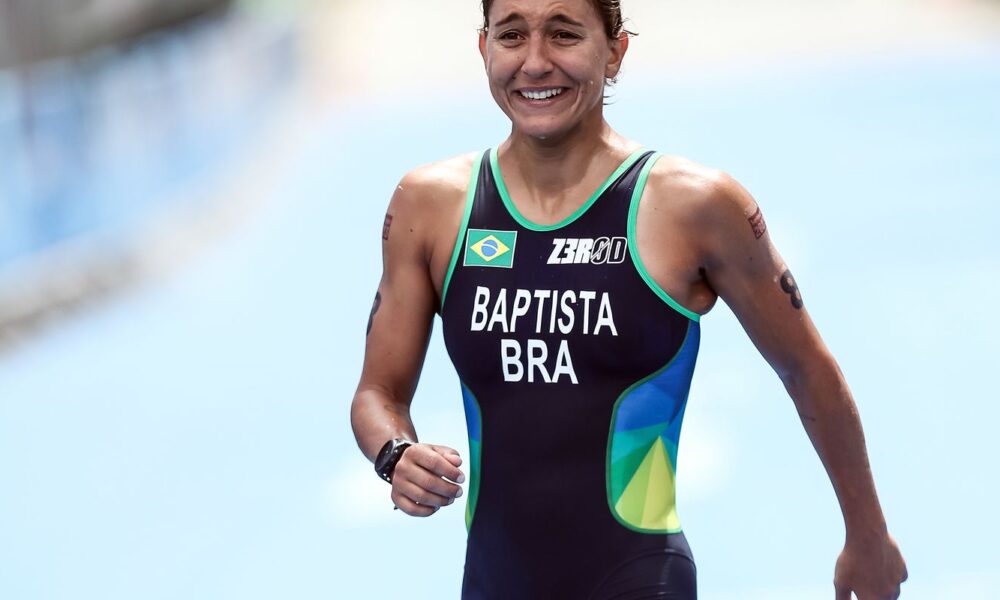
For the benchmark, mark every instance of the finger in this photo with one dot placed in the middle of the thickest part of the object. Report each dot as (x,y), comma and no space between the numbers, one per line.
(412,471)
(420,495)
(456,461)
(842,593)
(444,450)
(449,454)
(412,508)
(437,464)
(433,483)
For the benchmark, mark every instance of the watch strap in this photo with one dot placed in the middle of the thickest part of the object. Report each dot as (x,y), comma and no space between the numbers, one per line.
(388,457)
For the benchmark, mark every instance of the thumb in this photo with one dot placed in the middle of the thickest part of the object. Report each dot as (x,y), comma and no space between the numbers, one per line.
(843,593)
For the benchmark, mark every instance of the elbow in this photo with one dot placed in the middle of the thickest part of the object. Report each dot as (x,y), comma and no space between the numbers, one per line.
(795,374)
(813,381)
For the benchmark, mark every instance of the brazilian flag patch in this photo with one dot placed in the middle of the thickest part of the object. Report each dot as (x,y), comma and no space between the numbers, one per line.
(488,248)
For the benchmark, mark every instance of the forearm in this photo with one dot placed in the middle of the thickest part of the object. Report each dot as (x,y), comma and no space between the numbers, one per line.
(831,420)
(377,417)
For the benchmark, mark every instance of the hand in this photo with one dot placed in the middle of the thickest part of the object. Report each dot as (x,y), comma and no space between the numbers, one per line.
(420,481)
(872,569)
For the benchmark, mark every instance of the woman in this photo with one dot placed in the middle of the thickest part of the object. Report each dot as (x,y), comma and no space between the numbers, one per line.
(570,268)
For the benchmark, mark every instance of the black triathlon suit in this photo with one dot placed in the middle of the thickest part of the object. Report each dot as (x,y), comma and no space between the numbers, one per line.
(575,368)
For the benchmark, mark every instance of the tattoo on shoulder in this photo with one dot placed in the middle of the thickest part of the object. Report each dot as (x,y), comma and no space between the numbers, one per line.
(791,288)
(758,224)
(386,225)
(375,305)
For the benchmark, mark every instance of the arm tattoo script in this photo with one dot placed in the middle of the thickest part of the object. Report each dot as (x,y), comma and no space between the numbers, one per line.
(386,225)
(791,288)
(758,224)
(375,305)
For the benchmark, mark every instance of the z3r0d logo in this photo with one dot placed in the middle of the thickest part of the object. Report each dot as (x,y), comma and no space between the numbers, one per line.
(603,250)
(489,248)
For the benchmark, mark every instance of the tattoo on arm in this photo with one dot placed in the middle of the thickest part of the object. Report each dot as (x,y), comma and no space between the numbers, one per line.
(758,224)
(375,305)
(386,225)
(789,286)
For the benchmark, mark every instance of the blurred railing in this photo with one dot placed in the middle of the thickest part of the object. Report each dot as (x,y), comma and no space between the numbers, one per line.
(94,145)
(33,30)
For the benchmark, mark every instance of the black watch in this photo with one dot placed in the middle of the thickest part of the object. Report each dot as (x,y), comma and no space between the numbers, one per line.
(389,455)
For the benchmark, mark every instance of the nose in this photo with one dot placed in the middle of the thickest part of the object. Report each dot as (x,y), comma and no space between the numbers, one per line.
(537,63)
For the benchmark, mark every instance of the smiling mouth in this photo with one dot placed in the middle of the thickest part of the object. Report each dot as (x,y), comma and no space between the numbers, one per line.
(541,94)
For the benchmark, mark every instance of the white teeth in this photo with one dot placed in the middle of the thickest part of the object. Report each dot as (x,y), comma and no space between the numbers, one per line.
(541,95)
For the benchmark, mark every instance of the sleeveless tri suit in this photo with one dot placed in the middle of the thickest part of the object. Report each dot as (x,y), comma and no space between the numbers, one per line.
(575,368)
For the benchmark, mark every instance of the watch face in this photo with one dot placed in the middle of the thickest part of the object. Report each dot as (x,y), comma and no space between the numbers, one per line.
(384,454)
(388,456)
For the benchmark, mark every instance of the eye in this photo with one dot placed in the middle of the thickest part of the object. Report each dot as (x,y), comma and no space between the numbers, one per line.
(566,36)
(511,35)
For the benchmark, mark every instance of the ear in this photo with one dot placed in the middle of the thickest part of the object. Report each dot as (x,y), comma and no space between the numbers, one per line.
(482,44)
(618,48)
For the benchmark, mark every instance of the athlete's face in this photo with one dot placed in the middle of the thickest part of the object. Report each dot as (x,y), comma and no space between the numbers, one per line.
(547,62)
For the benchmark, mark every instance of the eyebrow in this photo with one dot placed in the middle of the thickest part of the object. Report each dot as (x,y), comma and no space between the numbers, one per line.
(558,17)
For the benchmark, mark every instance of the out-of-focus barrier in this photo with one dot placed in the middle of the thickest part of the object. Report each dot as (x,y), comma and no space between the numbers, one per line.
(96,148)
(33,30)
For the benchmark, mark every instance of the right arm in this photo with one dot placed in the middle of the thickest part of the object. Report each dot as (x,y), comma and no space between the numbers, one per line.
(398,333)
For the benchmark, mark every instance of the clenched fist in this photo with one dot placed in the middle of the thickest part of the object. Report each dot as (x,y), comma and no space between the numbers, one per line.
(422,481)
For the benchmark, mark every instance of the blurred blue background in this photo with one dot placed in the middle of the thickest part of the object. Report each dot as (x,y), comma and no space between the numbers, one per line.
(191,200)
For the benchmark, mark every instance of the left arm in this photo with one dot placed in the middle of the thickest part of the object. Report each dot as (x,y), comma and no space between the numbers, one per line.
(743,267)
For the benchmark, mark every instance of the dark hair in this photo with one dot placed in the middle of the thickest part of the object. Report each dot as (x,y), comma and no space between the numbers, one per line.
(610,11)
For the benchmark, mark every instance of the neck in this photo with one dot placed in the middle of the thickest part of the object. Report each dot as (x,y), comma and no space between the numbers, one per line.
(549,168)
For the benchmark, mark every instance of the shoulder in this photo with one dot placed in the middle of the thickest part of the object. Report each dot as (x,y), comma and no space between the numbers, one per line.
(704,193)
(436,184)
(710,204)
(426,208)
